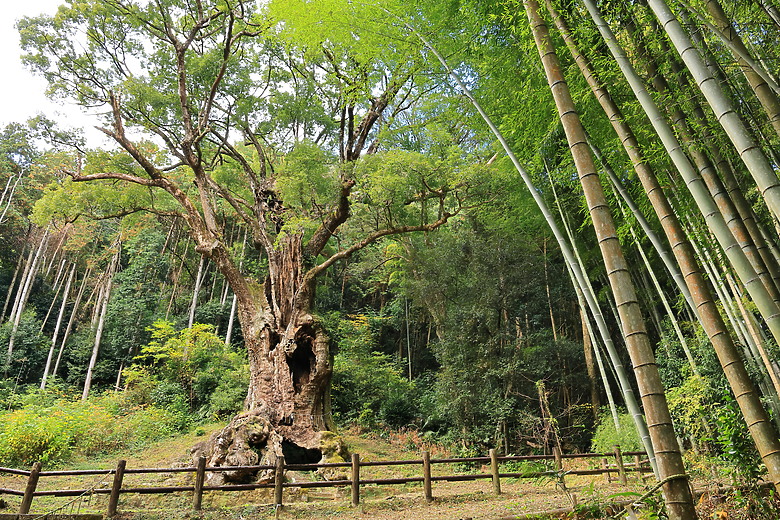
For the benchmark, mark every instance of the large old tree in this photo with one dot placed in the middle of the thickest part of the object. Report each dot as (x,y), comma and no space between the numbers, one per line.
(225,117)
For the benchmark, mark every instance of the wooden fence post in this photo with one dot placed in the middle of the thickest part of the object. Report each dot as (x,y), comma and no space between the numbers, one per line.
(559,464)
(32,483)
(620,467)
(355,479)
(278,481)
(427,489)
(200,478)
(607,474)
(494,472)
(638,465)
(116,488)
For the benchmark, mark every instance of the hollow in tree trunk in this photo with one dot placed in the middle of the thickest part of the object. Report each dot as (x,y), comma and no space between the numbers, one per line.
(286,408)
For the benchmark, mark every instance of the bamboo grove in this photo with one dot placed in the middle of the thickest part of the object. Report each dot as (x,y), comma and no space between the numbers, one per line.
(611,167)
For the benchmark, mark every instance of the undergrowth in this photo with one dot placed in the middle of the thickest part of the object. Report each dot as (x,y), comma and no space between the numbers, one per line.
(53,428)
(608,434)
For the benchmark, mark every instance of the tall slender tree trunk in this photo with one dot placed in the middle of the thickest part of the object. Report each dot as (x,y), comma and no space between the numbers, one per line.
(57,287)
(674,270)
(71,321)
(588,347)
(765,248)
(752,117)
(408,341)
(582,282)
(59,276)
(547,288)
(196,290)
(707,169)
(563,244)
(213,282)
(758,341)
(630,143)
(753,350)
(27,266)
(761,430)
(103,304)
(98,292)
(232,318)
(751,154)
(7,197)
(677,493)
(131,351)
(63,305)
(665,302)
(599,356)
(231,321)
(24,294)
(11,286)
(764,93)
(55,254)
(771,11)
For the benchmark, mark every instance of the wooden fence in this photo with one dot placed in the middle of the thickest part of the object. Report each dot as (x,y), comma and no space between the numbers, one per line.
(610,463)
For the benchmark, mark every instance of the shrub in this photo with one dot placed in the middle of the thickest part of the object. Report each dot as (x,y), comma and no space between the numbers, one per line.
(692,405)
(367,385)
(29,436)
(54,431)
(399,409)
(607,435)
(189,371)
(30,347)
(736,447)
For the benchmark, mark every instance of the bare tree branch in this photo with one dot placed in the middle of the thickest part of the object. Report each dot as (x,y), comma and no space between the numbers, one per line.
(77,177)
(337,217)
(346,253)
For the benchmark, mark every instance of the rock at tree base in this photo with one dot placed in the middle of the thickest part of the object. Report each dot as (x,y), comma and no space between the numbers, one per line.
(251,440)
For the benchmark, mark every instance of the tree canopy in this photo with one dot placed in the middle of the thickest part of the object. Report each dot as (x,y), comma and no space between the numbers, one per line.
(474,201)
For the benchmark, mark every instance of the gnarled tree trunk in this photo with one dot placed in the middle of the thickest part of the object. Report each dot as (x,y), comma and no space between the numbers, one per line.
(289,351)
(286,410)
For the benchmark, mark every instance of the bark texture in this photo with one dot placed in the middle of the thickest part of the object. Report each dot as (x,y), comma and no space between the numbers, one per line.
(677,493)
(748,399)
(290,369)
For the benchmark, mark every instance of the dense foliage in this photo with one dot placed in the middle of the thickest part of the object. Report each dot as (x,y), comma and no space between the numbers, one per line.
(457,300)
(53,427)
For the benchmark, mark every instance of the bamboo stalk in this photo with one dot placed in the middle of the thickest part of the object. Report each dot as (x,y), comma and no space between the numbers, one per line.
(762,431)
(60,315)
(676,490)
(101,320)
(71,321)
(23,295)
(11,286)
(196,290)
(751,154)
(628,394)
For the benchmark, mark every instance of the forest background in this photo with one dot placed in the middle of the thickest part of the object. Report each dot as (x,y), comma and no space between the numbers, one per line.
(395,144)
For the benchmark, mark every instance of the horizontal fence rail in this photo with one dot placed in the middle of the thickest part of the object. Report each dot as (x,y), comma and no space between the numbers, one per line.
(610,463)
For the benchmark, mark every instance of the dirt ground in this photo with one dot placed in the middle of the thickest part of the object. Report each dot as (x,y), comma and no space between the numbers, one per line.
(474,500)
(452,500)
